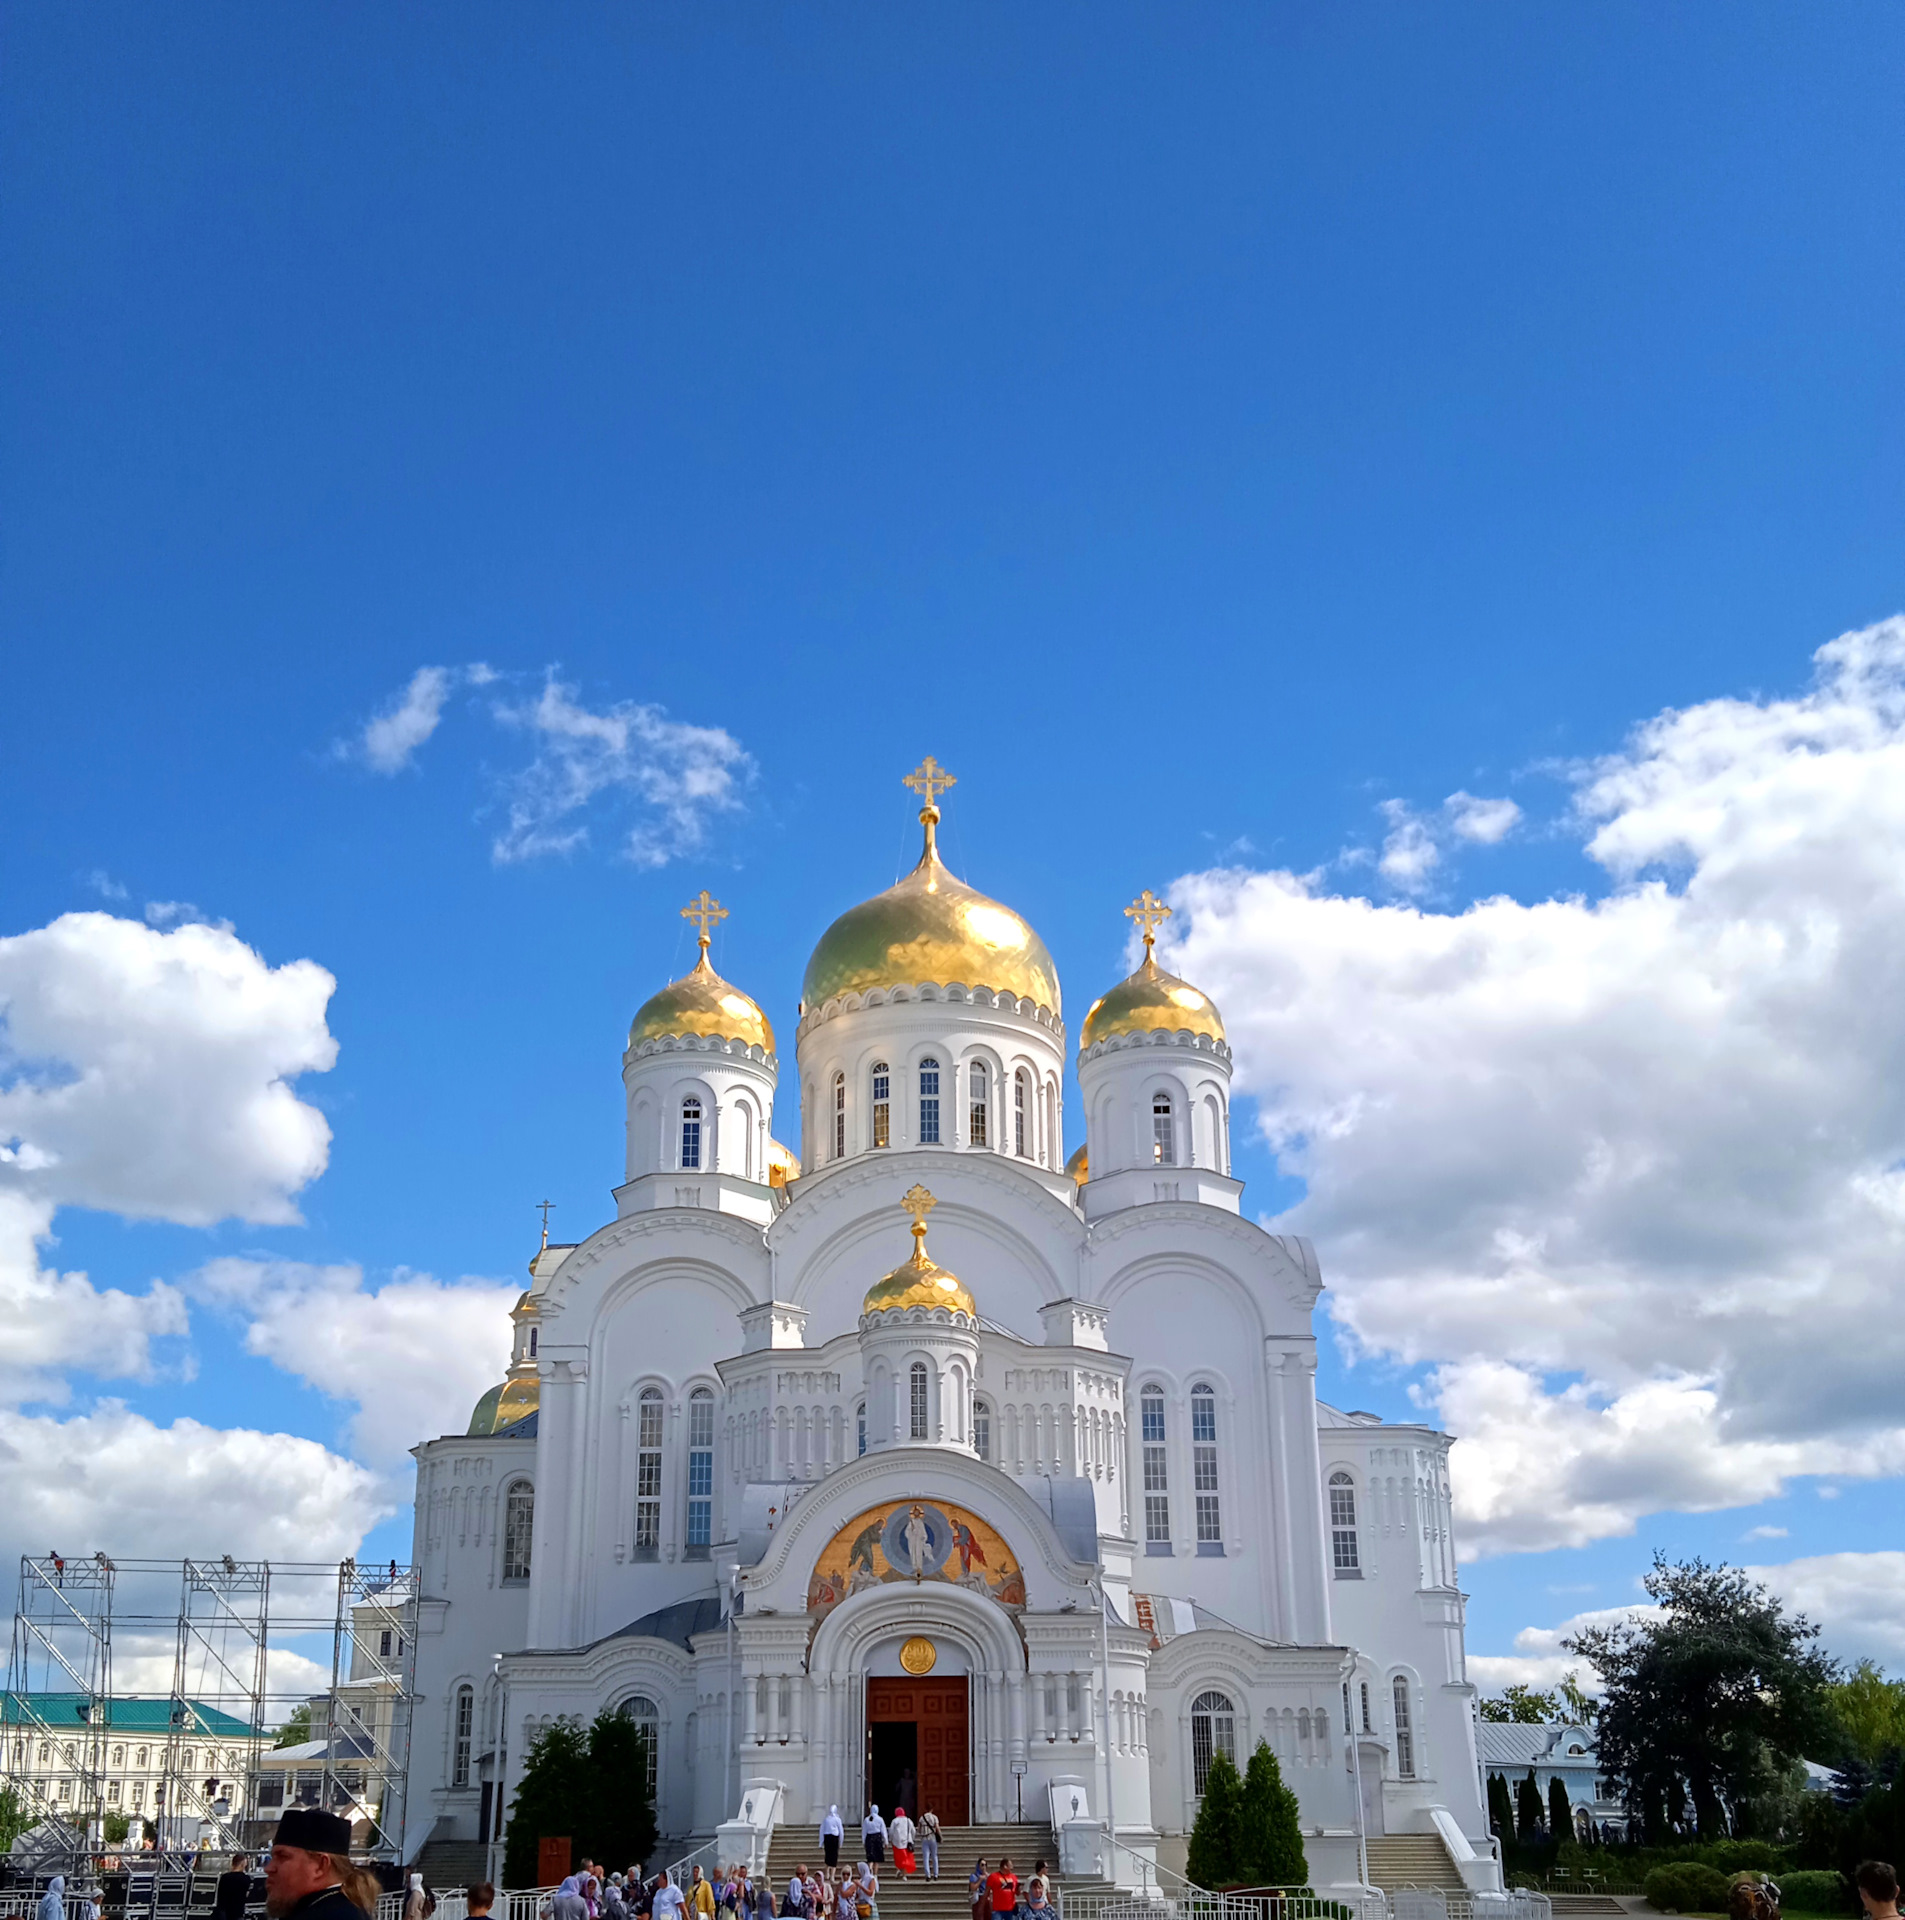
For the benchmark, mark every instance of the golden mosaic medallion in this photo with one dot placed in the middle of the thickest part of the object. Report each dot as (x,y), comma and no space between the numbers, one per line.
(918,1655)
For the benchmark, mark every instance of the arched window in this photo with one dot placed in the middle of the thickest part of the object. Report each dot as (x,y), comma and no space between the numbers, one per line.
(691,1132)
(118,1755)
(519,1526)
(916,1399)
(1157,1498)
(1053,1147)
(648,1473)
(860,1420)
(982,1429)
(929,1102)
(1163,1136)
(1018,1114)
(1367,1726)
(1210,1530)
(465,1725)
(1344,1554)
(140,1762)
(1213,1731)
(700,1472)
(647,1717)
(1405,1736)
(532,1343)
(839,1116)
(976,1079)
(882,1104)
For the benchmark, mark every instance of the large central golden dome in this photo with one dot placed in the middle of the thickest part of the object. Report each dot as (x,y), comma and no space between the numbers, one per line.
(931,929)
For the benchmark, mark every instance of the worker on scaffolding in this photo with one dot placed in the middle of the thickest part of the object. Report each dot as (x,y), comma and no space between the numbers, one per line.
(309,1874)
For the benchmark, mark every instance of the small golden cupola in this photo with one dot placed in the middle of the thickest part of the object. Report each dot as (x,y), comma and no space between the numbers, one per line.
(920,1281)
(1151,1000)
(701,1005)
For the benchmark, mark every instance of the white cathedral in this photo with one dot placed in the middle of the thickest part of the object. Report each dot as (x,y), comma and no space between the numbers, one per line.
(1026,1526)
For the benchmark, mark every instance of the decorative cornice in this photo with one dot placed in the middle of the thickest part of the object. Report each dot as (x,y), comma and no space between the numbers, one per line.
(954,993)
(918,1317)
(700,1043)
(1182,1040)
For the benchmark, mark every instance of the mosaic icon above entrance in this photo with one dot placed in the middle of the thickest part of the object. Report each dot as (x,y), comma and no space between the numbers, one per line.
(915,1541)
(918,1654)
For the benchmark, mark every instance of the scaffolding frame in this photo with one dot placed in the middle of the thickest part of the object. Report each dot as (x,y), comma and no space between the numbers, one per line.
(217,1618)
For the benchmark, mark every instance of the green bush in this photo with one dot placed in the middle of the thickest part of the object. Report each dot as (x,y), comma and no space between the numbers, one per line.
(1687,1887)
(1815,1893)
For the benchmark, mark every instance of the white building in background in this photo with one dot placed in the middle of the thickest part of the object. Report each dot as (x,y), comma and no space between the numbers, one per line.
(1036,1520)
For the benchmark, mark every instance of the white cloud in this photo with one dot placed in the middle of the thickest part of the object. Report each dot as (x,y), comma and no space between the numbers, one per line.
(413,1356)
(1858,1599)
(114,1480)
(389,740)
(150,1073)
(678,775)
(1766,1533)
(1539,1660)
(1627,1173)
(1409,852)
(1487,822)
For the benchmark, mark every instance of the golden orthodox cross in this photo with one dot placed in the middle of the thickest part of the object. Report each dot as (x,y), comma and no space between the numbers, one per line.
(929,779)
(919,1203)
(1150,913)
(545,1205)
(705,911)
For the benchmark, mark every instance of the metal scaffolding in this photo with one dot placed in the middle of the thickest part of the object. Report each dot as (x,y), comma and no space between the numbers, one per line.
(172,1660)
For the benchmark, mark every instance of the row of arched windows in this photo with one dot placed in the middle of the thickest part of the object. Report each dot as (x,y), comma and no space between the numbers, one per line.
(698,1510)
(1155,1470)
(1014,1130)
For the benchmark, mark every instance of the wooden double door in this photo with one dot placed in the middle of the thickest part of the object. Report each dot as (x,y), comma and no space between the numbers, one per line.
(917,1740)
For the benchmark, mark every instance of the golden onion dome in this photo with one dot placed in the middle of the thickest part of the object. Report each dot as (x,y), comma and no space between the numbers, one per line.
(483,1416)
(702,1004)
(783,1164)
(1151,1000)
(1079,1167)
(505,1404)
(931,928)
(920,1281)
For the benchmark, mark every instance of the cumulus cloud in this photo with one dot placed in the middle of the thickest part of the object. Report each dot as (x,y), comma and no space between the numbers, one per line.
(413,1356)
(1539,1660)
(1412,848)
(388,741)
(1626,1173)
(114,1480)
(677,776)
(1487,822)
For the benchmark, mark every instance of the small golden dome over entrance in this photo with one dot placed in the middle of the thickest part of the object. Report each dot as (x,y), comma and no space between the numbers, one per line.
(931,929)
(1151,1000)
(920,1281)
(702,1004)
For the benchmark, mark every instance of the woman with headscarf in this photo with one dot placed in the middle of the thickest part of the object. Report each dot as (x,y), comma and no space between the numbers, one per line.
(866,1892)
(901,1834)
(873,1834)
(569,1903)
(413,1898)
(53,1901)
(832,1832)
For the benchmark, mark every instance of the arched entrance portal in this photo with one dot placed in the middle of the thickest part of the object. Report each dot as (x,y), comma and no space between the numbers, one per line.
(919,1744)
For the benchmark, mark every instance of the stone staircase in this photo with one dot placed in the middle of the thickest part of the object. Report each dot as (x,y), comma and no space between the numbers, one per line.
(1411,1860)
(918,1898)
(452,1863)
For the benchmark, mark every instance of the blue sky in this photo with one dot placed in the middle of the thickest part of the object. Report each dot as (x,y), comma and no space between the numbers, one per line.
(1220,435)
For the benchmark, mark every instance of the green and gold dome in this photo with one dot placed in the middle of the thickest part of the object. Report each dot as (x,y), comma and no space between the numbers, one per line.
(1151,1000)
(931,929)
(701,1005)
(920,1281)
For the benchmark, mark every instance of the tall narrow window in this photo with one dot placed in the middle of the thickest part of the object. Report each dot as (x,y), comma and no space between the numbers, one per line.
(840,1116)
(465,1725)
(976,1104)
(519,1525)
(1210,1531)
(1213,1731)
(982,1429)
(1344,1555)
(700,1472)
(1405,1736)
(648,1472)
(691,1132)
(929,1102)
(1157,1499)
(860,1420)
(916,1399)
(1367,1727)
(882,1105)
(1018,1114)
(1163,1138)
(532,1343)
(647,1717)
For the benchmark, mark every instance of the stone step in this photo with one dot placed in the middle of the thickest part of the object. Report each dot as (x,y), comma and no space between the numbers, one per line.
(452,1863)
(1411,1860)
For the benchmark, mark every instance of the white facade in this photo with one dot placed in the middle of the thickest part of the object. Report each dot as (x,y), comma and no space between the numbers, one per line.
(1129,1422)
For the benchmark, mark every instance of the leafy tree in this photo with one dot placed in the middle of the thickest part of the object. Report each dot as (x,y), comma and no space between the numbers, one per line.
(1530,1816)
(1271,1851)
(1581,1704)
(1870,1710)
(1560,1815)
(1712,1699)
(1521,1706)
(1216,1852)
(14,1819)
(116,1828)
(1501,1809)
(296,1729)
(591,1786)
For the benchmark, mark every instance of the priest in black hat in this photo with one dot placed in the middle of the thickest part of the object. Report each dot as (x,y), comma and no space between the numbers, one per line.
(309,1874)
